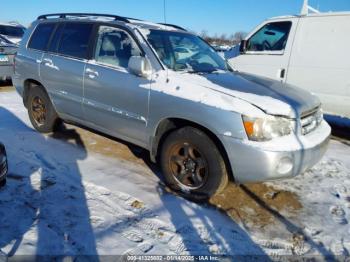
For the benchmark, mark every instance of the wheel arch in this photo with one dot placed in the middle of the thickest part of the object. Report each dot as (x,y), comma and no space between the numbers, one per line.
(28,84)
(168,125)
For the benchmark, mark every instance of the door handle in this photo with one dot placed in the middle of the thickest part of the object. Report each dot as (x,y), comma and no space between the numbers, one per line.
(282,73)
(49,63)
(91,73)
(47,60)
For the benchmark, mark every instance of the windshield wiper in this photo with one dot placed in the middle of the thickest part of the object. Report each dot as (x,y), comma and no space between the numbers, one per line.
(203,72)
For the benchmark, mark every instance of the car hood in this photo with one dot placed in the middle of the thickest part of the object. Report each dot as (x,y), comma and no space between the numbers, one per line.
(271,96)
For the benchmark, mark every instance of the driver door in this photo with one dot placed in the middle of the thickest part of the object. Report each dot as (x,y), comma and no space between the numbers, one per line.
(115,100)
(268,51)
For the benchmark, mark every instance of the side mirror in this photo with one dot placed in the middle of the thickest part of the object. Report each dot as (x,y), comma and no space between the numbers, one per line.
(140,66)
(243,46)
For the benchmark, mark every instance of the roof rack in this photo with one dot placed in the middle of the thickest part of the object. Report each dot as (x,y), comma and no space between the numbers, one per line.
(175,26)
(115,17)
(65,15)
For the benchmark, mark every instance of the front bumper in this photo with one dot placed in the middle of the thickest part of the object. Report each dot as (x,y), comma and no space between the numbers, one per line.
(282,158)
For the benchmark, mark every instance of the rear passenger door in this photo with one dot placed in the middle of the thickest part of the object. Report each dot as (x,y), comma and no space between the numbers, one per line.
(28,60)
(115,100)
(62,67)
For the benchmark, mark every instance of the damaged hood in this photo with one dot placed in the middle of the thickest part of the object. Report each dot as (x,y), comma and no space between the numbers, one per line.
(271,96)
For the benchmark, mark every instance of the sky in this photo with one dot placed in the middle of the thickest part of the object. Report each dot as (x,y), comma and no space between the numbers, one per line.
(214,16)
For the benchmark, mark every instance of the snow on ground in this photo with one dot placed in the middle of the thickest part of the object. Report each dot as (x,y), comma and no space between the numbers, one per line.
(62,199)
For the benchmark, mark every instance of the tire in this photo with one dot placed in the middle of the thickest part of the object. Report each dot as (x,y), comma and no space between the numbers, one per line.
(2,183)
(189,150)
(47,120)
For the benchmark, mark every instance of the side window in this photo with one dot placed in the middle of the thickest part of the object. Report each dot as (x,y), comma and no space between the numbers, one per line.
(272,37)
(55,39)
(41,36)
(74,40)
(115,47)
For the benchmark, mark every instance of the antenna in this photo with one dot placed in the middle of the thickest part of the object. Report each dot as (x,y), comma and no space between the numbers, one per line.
(306,8)
(164,8)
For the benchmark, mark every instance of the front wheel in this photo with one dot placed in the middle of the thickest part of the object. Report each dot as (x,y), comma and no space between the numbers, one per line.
(192,164)
(41,111)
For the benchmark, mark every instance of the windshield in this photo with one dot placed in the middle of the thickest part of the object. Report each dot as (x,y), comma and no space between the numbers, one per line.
(185,52)
(12,31)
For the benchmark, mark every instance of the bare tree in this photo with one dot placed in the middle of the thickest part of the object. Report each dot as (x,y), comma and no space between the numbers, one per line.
(223,39)
(238,37)
(204,34)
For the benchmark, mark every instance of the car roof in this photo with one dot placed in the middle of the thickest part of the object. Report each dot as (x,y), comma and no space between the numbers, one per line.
(14,24)
(113,19)
(312,15)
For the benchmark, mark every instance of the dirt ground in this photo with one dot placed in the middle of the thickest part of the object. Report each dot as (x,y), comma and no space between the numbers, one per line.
(255,205)
(5,88)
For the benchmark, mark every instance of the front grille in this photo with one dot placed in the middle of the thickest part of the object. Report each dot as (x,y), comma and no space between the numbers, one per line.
(311,120)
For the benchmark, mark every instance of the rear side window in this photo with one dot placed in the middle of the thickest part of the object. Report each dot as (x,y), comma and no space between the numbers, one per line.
(56,39)
(41,36)
(74,40)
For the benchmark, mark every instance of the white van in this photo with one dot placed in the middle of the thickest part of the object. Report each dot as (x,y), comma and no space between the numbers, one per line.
(311,51)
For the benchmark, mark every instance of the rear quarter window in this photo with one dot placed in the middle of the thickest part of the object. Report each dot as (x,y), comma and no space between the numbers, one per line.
(41,37)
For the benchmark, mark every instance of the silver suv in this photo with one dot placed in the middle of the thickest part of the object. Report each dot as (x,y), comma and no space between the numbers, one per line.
(166,90)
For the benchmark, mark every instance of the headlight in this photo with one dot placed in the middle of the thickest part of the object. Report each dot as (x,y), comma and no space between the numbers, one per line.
(264,129)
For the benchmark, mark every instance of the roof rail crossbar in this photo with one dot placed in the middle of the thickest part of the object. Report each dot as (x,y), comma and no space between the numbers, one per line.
(175,26)
(65,15)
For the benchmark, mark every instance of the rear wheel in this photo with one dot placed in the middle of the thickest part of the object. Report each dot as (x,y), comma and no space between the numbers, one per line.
(2,183)
(192,164)
(41,111)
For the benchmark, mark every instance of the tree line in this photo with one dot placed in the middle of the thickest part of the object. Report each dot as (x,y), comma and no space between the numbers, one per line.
(223,39)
